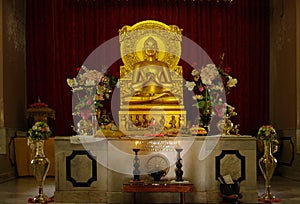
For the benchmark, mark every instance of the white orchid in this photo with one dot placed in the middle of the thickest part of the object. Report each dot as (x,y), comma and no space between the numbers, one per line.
(208,74)
(195,72)
(90,82)
(190,85)
(231,82)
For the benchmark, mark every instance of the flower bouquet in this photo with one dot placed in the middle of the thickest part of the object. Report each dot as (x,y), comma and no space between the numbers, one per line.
(84,89)
(267,133)
(84,86)
(39,131)
(209,85)
(91,88)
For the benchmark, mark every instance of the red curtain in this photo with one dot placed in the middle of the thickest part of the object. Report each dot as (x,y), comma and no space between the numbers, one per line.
(62,34)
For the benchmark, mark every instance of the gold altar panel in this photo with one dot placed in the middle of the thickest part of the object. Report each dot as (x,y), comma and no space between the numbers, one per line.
(151,80)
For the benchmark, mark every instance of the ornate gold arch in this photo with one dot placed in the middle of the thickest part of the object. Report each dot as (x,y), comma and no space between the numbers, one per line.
(132,39)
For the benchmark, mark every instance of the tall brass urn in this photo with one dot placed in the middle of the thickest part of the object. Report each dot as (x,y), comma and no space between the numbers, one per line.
(40,164)
(267,162)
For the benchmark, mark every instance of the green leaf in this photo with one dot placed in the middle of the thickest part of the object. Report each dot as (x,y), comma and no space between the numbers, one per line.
(201,104)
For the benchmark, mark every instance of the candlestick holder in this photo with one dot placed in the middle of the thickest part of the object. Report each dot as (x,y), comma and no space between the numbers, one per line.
(136,165)
(178,169)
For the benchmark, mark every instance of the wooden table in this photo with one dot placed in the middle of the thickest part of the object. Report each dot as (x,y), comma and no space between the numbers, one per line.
(171,187)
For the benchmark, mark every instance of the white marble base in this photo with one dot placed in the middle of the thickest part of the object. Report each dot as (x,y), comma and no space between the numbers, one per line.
(114,166)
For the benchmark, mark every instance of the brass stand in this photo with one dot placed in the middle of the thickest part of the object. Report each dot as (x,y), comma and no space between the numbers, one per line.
(40,164)
(267,164)
(178,170)
(136,165)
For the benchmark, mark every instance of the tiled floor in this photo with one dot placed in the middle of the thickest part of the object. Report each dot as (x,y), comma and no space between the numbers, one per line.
(18,191)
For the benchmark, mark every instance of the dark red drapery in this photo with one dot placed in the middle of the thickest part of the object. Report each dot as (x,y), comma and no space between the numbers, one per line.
(62,34)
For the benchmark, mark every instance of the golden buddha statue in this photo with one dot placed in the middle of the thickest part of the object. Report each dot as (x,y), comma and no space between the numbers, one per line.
(151,78)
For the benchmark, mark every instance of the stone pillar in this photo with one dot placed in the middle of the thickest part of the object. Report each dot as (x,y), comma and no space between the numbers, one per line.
(298,74)
(285,82)
(1,68)
(12,78)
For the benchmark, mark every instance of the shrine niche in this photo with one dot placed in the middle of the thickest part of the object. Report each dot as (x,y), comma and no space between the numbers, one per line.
(151,93)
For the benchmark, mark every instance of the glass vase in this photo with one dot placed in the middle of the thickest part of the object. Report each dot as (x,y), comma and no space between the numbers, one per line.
(40,164)
(267,164)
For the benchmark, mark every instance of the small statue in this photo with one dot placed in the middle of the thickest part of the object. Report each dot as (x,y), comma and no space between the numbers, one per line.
(226,126)
(153,122)
(129,123)
(173,122)
(181,121)
(137,121)
(145,122)
(162,121)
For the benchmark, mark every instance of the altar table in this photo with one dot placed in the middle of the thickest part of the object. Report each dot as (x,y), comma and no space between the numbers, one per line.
(182,188)
(93,170)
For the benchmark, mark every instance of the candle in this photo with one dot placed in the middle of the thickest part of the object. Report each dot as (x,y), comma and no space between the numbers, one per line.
(178,144)
(136,144)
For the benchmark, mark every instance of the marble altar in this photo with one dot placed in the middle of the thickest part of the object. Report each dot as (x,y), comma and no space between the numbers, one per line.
(93,170)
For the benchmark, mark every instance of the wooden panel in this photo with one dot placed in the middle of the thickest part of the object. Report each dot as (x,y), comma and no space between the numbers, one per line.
(134,188)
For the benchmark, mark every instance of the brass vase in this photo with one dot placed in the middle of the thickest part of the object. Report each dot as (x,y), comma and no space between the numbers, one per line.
(40,164)
(85,127)
(267,164)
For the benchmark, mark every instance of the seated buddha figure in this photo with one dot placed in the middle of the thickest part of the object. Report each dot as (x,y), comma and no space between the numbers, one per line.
(151,78)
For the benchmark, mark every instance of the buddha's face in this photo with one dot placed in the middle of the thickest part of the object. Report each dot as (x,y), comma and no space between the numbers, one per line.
(150,47)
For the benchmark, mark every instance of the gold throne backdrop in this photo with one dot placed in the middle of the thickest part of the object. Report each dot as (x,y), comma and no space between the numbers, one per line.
(151,93)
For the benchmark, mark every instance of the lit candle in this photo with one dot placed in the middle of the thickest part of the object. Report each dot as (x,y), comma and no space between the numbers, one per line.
(136,144)
(178,144)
